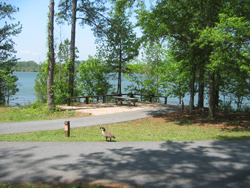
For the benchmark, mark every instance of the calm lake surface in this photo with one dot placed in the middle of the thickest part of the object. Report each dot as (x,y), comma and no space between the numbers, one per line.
(26,94)
(26,83)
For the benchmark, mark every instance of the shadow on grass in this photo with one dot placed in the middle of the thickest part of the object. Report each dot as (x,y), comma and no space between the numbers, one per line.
(152,164)
(231,121)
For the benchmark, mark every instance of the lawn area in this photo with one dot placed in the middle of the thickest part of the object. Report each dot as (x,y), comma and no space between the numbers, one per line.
(169,127)
(34,112)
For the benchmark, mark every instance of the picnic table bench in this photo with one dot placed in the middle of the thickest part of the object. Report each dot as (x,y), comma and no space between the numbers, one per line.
(120,99)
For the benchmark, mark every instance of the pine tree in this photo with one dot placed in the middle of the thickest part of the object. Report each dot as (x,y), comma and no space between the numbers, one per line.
(7,58)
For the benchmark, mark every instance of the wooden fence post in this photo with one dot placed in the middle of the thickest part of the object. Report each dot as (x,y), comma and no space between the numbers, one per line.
(150,98)
(182,106)
(166,100)
(67,128)
(68,101)
(104,99)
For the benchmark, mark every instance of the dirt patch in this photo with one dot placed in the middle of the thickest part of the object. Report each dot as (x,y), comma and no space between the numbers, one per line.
(8,108)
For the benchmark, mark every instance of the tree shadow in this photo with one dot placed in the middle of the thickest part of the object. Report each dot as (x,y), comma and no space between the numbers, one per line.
(151,164)
(226,121)
(163,110)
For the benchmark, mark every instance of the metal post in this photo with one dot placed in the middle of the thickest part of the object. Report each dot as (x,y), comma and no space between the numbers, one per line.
(67,128)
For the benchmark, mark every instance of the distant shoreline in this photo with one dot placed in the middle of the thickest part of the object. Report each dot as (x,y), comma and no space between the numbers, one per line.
(24,71)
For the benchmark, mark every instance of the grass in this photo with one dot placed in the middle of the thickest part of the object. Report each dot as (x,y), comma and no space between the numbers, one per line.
(33,112)
(171,127)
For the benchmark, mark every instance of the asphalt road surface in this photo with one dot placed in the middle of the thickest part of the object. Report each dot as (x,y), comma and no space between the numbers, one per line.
(214,164)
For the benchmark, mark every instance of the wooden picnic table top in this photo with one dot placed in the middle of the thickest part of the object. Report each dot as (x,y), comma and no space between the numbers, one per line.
(119,97)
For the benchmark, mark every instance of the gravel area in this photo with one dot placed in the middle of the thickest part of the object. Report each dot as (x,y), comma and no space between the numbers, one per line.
(96,109)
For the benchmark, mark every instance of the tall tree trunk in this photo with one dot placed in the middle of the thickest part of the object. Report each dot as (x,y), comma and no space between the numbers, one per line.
(120,72)
(157,72)
(201,90)
(50,78)
(211,95)
(217,91)
(72,50)
(191,103)
(180,93)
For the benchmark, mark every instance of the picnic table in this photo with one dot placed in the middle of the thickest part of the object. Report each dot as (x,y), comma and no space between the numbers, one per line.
(129,99)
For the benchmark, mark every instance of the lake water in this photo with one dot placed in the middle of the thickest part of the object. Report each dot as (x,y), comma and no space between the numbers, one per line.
(26,83)
(26,94)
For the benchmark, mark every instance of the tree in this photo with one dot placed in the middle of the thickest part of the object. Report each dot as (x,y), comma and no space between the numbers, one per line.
(88,12)
(51,54)
(230,42)
(93,77)
(7,58)
(184,23)
(41,83)
(118,44)
(146,73)
(154,58)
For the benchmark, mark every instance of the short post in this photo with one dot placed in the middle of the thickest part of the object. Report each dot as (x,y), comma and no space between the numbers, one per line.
(67,128)
(104,99)
(68,101)
(166,100)
(182,106)
(150,98)
(87,100)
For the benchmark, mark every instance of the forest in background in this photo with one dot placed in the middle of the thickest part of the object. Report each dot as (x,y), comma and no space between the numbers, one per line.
(32,66)
(27,66)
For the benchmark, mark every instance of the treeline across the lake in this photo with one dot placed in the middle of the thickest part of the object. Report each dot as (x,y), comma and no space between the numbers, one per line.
(27,66)
(32,66)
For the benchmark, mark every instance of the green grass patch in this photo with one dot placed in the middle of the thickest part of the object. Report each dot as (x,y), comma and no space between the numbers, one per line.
(33,112)
(138,130)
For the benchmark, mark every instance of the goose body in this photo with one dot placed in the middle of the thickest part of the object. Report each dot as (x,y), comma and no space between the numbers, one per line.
(107,134)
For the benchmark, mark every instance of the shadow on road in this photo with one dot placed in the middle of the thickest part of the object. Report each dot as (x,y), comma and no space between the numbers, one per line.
(166,164)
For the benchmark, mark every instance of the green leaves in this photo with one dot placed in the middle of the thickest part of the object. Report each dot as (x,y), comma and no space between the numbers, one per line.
(229,40)
(93,77)
(8,60)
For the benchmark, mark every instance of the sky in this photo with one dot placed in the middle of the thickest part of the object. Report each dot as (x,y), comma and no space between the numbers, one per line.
(31,42)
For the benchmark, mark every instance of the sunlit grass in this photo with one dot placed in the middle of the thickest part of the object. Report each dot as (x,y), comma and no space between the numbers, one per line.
(172,127)
(139,130)
(33,112)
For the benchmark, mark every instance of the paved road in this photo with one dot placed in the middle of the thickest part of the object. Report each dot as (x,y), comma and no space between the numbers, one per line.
(85,121)
(200,164)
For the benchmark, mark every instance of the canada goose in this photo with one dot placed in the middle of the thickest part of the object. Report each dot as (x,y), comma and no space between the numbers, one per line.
(107,134)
